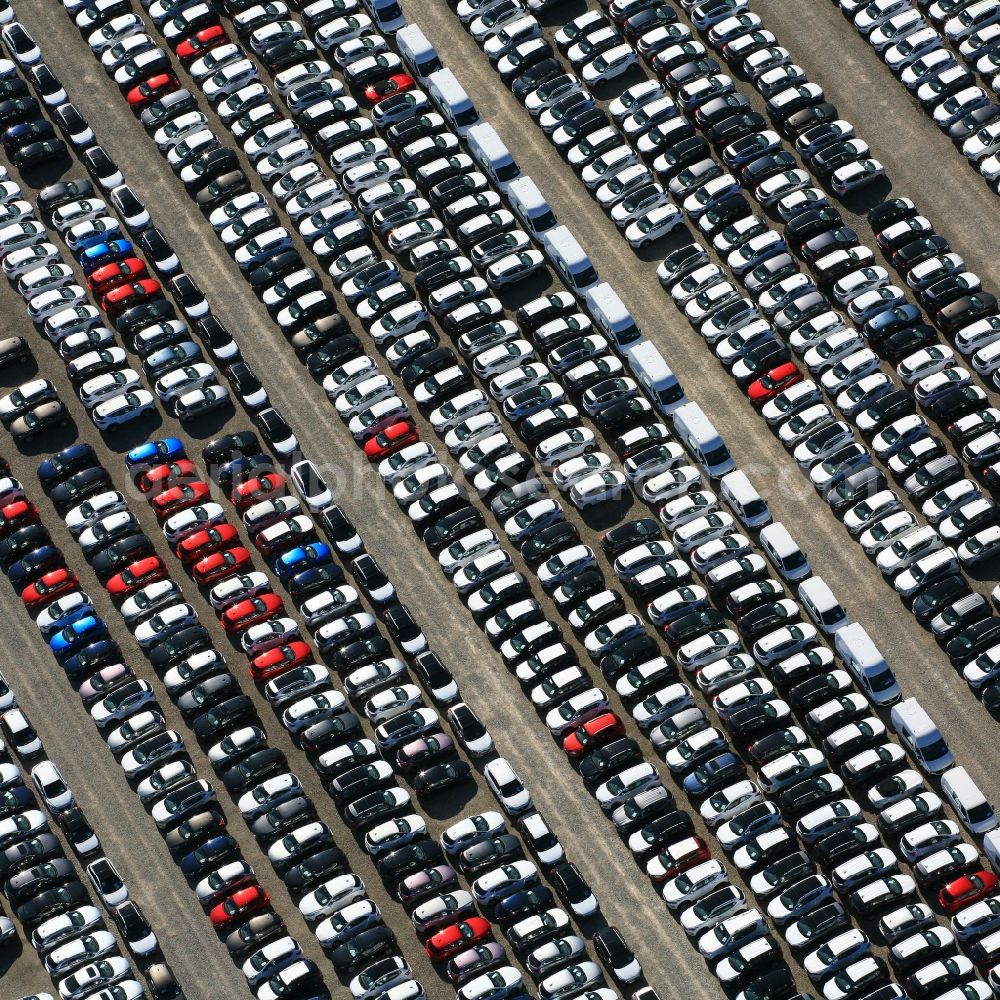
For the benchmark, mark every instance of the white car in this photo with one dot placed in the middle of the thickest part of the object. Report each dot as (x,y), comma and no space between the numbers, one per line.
(507,786)
(52,787)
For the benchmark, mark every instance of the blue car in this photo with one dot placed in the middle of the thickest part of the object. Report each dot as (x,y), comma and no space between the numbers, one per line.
(64,463)
(105,252)
(152,453)
(35,564)
(68,619)
(538,898)
(78,634)
(889,320)
(302,557)
(209,855)
(703,777)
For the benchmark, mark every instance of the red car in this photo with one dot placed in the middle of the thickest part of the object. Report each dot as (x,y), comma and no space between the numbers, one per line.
(135,293)
(678,858)
(457,937)
(205,542)
(49,587)
(274,662)
(257,489)
(161,477)
(197,45)
(776,380)
(18,514)
(398,83)
(593,734)
(213,568)
(241,904)
(140,97)
(136,576)
(112,275)
(251,611)
(967,890)
(179,498)
(394,437)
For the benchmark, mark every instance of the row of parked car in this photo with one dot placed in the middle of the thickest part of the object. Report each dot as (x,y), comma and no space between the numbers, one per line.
(332,638)
(911,41)
(904,438)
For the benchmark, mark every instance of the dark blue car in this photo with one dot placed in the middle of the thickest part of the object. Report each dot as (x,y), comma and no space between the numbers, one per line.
(67,619)
(33,565)
(64,463)
(209,855)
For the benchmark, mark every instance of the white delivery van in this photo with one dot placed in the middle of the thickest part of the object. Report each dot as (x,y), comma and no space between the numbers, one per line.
(418,55)
(920,736)
(866,664)
(612,318)
(654,374)
(489,151)
(823,608)
(570,260)
(528,205)
(991,845)
(452,101)
(704,443)
(972,807)
(744,501)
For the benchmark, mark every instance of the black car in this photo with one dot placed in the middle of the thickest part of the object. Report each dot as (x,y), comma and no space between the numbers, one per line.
(264,275)
(223,717)
(363,947)
(52,903)
(599,765)
(221,189)
(256,932)
(28,852)
(534,76)
(623,658)
(397,865)
(77,487)
(625,536)
(167,108)
(489,854)
(208,166)
(938,596)
(571,886)
(284,817)
(226,448)
(439,777)
(18,544)
(247,386)
(315,869)
(208,693)
(616,956)
(252,770)
(180,645)
(38,879)
(37,153)
(372,580)
(888,408)
(119,554)
(331,732)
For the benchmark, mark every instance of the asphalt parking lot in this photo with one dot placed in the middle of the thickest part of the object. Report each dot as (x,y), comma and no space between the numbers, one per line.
(921,164)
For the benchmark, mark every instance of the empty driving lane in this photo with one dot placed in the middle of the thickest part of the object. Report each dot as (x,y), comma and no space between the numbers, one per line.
(920,665)
(575,817)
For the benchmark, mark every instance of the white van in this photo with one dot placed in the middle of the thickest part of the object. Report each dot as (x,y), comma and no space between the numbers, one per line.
(866,664)
(612,317)
(920,736)
(783,552)
(528,205)
(490,152)
(569,259)
(418,55)
(991,845)
(823,608)
(704,443)
(452,101)
(654,374)
(744,501)
(972,807)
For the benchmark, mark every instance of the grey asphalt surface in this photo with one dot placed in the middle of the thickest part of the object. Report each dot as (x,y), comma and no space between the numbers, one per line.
(956,203)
